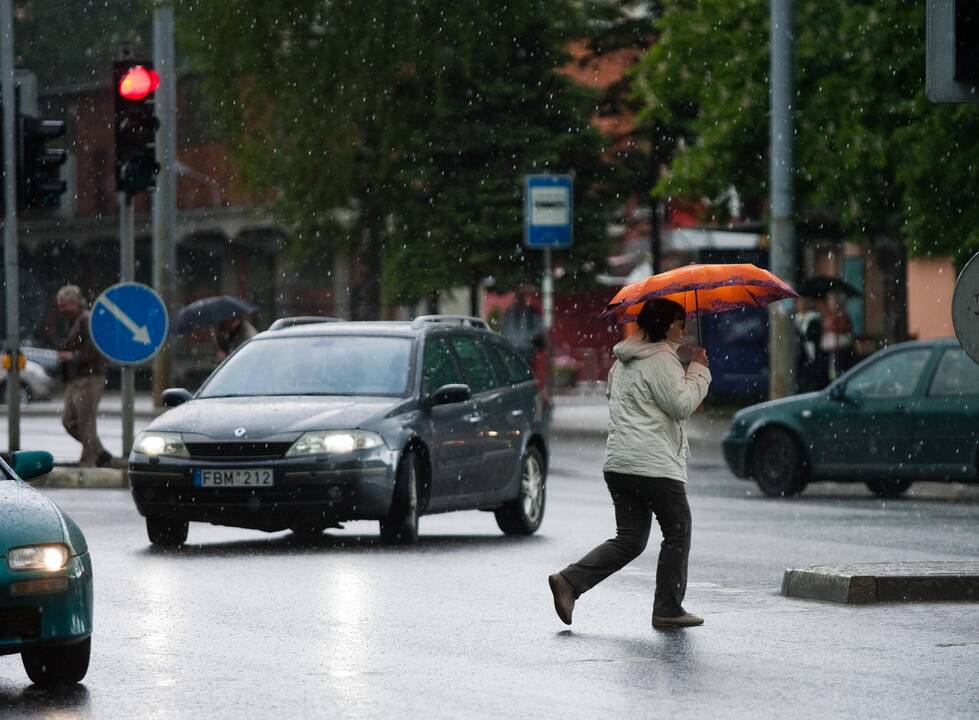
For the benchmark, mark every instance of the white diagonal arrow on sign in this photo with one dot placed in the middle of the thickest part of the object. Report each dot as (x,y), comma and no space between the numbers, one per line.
(140,332)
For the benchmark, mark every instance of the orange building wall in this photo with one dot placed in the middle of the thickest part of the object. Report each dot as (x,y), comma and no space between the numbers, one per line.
(930,286)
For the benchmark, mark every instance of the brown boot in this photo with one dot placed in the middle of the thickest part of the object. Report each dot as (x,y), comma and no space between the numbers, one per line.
(684,620)
(563,597)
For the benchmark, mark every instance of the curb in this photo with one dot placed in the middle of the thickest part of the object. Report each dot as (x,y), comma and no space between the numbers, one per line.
(86,478)
(937,581)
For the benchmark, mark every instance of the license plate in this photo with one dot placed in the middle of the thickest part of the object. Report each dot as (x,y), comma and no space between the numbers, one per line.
(237,477)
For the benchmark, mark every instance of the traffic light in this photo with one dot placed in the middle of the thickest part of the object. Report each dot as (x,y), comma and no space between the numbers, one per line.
(952,51)
(967,42)
(39,167)
(136,123)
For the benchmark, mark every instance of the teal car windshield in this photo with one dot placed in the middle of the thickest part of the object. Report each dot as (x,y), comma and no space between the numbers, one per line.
(332,365)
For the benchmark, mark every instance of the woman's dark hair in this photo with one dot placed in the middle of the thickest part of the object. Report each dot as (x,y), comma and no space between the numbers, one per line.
(656,317)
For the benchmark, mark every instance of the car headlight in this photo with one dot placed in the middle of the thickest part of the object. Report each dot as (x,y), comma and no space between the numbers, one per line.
(161,444)
(334,442)
(51,557)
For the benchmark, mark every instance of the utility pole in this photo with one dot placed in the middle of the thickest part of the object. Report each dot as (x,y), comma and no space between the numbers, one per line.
(10,263)
(781,339)
(165,197)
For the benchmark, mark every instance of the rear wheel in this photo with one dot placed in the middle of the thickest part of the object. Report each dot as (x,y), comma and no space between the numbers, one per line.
(888,488)
(400,527)
(58,665)
(777,463)
(524,515)
(166,532)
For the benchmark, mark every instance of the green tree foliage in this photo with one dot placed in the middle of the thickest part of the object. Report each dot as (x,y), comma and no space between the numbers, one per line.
(871,152)
(67,43)
(418,119)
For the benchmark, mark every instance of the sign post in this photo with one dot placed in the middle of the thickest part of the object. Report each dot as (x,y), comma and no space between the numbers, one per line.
(129,325)
(10,260)
(548,203)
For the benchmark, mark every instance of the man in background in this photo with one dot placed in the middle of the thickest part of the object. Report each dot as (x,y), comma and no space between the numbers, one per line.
(83,371)
(523,326)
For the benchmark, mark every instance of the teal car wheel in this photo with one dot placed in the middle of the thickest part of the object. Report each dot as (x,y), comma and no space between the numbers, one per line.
(888,488)
(778,464)
(58,664)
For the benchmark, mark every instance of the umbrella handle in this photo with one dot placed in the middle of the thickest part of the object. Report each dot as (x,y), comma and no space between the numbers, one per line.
(700,336)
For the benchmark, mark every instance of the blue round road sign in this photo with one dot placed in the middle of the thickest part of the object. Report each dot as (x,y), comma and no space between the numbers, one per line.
(129,323)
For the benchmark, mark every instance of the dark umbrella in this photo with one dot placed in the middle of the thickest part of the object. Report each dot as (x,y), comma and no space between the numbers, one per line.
(822,285)
(211,311)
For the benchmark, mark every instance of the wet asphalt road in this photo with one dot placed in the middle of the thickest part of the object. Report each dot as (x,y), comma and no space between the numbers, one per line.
(243,624)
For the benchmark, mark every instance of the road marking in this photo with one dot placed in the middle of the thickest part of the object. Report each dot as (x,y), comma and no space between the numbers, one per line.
(140,333)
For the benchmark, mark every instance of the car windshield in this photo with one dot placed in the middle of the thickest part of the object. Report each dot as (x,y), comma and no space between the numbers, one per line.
(323,365)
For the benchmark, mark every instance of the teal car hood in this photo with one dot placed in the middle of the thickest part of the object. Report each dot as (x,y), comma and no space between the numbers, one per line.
(27,517)
(782,409)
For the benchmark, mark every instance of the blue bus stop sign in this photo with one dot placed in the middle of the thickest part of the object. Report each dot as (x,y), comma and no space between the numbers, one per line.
(548,204)
(129,323)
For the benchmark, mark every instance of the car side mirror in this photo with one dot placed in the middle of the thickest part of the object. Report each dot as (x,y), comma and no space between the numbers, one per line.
(450,395)
(837,393)
(31,464)
(175,396)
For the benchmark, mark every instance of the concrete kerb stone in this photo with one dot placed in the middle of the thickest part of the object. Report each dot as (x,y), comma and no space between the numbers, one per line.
(84,478)
(935,581)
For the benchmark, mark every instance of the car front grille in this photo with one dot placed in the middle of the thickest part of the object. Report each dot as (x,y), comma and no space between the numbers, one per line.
(238,450)
(20,622)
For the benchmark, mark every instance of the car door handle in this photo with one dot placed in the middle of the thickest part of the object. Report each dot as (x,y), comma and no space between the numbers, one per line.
(473,418)
(516,413)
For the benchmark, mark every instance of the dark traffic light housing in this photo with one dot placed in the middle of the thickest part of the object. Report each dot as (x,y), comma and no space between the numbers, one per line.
(134,84)
(39,166)
(952,51)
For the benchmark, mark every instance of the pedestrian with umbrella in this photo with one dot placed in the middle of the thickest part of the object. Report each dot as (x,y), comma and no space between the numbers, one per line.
(650,395)
(227,317)
(836,333)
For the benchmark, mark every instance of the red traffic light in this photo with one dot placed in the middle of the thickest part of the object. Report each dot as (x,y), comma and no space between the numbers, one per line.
(138,82)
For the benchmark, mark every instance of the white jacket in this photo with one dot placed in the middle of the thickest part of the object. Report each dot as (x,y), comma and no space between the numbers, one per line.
(649,398)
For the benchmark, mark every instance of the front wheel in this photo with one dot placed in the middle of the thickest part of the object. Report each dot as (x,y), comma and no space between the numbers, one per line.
(400,527)
(524,515)
(888,488)
(58,665)
(777,463)
(25,394)
(166,532)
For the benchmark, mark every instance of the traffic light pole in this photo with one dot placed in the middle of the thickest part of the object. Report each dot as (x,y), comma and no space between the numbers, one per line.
(10,260)
(127,273)
(782,339)
(165,197)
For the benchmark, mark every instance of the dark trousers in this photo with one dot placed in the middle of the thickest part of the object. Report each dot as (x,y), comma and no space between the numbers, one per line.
(636,500)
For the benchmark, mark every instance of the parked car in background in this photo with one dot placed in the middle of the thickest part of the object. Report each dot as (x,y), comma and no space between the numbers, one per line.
(45,578)
(907,413)
(314,422)
(35,383)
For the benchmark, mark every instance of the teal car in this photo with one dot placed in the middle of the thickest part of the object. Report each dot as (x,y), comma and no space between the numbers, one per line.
(907,413)
(45,578)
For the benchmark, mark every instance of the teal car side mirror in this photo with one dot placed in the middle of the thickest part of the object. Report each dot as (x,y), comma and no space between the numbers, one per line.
(31,464)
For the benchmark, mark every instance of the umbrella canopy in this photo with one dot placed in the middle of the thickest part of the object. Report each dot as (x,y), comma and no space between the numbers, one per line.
(211,311)
(700,289)
(819,286)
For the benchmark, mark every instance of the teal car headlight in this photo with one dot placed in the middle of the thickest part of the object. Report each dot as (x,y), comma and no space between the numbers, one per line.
(161,444)
(49,557)
(334,442)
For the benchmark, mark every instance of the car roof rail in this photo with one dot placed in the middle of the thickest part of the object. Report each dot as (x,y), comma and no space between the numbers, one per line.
(288,322)
(464,320)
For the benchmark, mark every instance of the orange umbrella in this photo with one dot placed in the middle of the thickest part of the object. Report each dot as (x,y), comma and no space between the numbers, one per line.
(700,289)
